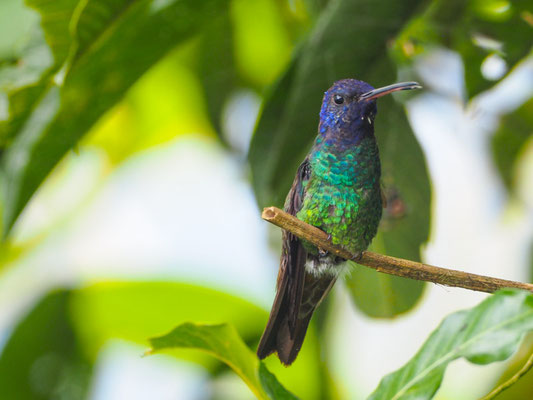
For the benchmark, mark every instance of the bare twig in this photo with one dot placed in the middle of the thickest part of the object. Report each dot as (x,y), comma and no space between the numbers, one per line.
(387,264)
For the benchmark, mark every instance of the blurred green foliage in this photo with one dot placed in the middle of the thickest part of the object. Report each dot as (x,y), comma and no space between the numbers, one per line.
(137,311)
(511,139)
(125,75)
(223,342)
(524,385)
(489,332)
(476,29)
(79,322)
(44,359)
(92,80)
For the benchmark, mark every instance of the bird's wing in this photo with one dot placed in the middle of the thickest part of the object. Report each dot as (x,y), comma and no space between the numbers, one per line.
(284,313)
(293,255)
(383,197)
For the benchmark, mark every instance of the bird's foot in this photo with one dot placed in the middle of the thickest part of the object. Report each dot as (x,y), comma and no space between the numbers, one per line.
(322,253)
(356,257)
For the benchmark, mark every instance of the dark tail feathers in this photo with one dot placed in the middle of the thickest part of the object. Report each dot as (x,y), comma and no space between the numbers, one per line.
(277,336)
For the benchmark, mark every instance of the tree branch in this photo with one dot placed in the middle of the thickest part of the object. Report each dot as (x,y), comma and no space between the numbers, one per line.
(387,264)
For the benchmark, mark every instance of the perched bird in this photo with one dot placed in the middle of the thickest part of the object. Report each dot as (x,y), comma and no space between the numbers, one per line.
(337,189)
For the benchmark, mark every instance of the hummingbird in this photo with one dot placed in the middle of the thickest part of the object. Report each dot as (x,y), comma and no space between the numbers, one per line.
(337,189)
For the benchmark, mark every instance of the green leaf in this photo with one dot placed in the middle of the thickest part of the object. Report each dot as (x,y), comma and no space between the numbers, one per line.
(261,41)
(476,29)
(134,39)
(70,27)
(289,121)
(381,295)
(16,21)
(41,59)
(24,78)
(21,102)
(223,342)
(506,24)
(514,132)
(41,359)
(92,20)
(27,65)
(522,388)
(137,310)
(216,67)
(272,386)
(484,334)
(55,20)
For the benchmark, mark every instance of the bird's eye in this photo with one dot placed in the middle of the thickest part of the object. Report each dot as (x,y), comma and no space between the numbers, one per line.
(338,99)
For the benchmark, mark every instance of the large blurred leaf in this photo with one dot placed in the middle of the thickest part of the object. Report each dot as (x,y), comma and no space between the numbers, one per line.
(55,20)
(92,20)
(35,74)
(271,385)
(42,358)
(27,64)
(23,80)
(70,27)
(484,334)
(289,119)
(217,69)
(133,39)
(223,342)
(136,311)
(522,388)
(15,24)
(261,40)
(514,132)
(504,22)
(476,29)
(289,123)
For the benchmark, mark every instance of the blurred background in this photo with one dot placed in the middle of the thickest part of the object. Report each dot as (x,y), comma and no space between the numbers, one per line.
(140,140)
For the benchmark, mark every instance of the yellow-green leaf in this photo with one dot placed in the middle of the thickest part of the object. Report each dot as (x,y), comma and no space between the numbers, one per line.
(489,332)
(223,342)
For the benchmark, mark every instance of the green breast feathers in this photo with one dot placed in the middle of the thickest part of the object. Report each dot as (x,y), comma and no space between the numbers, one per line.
(342,195)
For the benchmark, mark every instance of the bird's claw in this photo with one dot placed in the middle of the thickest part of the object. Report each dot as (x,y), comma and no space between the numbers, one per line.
(324,253)
(357,256)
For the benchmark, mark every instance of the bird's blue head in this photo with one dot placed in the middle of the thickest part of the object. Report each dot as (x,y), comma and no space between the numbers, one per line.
(349,106)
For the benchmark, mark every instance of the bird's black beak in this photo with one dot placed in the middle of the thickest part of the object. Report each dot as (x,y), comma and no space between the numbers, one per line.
(374,94)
